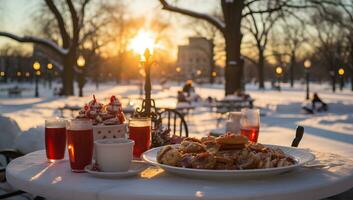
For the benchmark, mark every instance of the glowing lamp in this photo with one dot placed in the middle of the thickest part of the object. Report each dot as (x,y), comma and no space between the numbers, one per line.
(279,70)
(307,64)
(81,61)
(49,66)
(36,66)
(341,71)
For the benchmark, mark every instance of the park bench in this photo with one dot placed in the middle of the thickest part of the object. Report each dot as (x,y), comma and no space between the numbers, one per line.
(15,91)
(70,108)
(229,105)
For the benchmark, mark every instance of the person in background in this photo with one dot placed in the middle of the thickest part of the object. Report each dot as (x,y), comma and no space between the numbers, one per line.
(317,100)
(181,97)
(315,104)
(189,88)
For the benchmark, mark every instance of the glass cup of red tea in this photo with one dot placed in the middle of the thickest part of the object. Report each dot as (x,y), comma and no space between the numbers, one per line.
(55,139)
(140,132)
(80,143)
(250,123)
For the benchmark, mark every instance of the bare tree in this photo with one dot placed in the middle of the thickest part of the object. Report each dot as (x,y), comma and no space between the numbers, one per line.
(70,37)
(330,46)
(230,26)
(294,37)
(345,7)
(123,28)
(259,27)
(339,12)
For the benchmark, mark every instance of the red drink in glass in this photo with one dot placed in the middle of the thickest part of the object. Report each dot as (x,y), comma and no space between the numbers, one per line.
(250,123)
(55,139)
(80,144)
(140,132)
(252,133)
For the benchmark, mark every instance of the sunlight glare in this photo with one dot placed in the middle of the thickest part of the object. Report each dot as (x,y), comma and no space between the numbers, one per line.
(143,40)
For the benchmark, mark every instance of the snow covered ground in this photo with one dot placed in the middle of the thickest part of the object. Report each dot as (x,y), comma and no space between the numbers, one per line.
(330,132)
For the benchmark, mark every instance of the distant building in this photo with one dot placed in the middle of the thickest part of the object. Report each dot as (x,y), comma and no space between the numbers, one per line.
(45,55)
(195,60)
(15,67)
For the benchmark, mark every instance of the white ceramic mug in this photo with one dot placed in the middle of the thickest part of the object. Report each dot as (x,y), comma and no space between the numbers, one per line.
(233,123)
(114,155)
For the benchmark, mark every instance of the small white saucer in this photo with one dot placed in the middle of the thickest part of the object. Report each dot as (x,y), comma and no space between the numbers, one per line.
(135,168)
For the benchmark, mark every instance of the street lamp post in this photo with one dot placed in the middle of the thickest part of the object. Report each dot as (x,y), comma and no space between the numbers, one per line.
(213,74)
(81,78)
(307,65)
(36,67)
(2,75)
(279,72)
(341,73)
(49,67)
(178,70)
(198,73)
(148,107)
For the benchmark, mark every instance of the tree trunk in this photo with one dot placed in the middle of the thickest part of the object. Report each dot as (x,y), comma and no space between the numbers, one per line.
(261,65)
(334,82)
(68,74)
(119,68)
(291,72)
(232,13)
(351,72)
(352,81)
(212,64)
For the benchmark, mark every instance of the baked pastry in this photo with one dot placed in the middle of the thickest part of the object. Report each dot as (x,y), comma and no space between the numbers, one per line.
(227,152)
(192,147)
(203,161)
(192,140)
(208,139)
(186,160)
(230,141)
(224,163)
(169,155)
(212,146)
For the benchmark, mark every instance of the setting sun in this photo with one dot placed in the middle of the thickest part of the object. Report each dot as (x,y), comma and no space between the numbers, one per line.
(144,39)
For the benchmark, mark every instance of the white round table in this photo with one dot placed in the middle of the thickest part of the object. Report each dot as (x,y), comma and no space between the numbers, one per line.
(33,174)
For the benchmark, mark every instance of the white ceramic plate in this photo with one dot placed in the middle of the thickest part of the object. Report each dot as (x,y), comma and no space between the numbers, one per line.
(135,168)
(302,156)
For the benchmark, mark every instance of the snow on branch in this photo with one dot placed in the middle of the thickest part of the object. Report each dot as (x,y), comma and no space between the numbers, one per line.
(31,39)
(209,18)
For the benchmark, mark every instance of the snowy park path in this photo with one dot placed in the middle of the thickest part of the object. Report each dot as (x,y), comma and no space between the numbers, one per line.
(329,132)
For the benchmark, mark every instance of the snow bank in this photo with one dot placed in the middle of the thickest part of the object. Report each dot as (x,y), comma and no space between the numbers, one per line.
(30,140)
(9,130)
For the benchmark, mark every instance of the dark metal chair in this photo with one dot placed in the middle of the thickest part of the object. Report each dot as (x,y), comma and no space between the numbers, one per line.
(298,136)
(8,155)
(174,121)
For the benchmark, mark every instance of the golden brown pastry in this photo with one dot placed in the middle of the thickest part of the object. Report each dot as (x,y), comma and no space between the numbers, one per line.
(203,161)
(186,160)
(208,139)
(228,152)
(192,140)
(224,163)
(232,139)
(192,147)
(212,146)
(169,155)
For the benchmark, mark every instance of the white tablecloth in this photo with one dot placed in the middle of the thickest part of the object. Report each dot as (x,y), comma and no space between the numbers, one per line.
(33,174)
